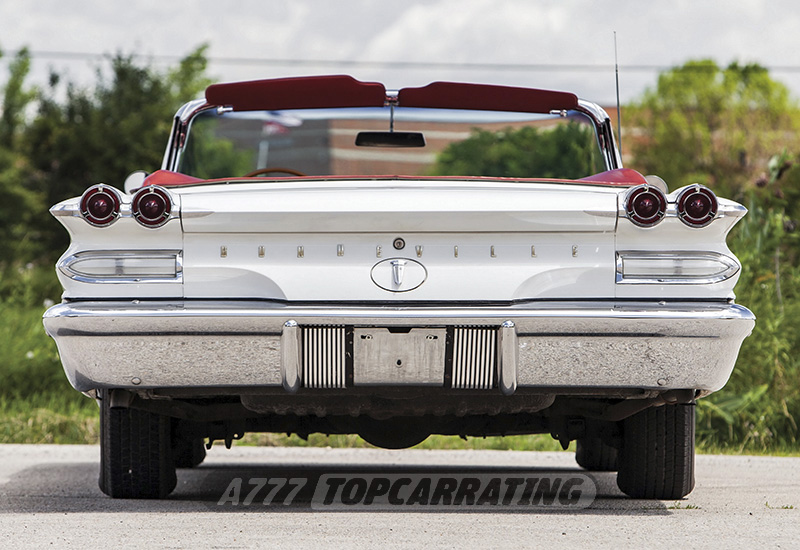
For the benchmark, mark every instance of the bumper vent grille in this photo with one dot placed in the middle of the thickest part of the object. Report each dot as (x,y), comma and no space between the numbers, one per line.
(323,357)
(474,358)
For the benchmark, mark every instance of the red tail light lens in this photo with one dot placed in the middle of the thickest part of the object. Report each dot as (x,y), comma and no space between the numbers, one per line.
(100,205)
(152,206)
(645,205)
(697,206)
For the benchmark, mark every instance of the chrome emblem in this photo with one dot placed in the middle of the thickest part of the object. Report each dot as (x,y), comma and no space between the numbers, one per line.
(398,269)
(398,274)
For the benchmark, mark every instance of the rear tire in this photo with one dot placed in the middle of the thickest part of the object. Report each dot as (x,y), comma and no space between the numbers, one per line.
(592,454)
(657,456)
(188,453)
(135,453)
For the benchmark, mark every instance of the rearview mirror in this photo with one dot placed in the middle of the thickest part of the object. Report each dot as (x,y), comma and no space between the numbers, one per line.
(134,180)
(390,139)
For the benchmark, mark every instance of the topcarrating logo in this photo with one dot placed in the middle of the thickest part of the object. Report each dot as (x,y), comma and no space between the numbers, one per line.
(409,491)
(448,491)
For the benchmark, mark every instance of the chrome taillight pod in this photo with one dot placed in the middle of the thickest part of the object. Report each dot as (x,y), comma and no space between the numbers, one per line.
(697,205)
(645,205)
(100,205)
(152,206)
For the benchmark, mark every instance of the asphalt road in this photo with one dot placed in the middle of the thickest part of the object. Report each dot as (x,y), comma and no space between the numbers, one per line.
(49,498)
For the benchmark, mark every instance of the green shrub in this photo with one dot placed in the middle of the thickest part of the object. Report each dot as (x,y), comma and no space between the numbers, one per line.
(759,407)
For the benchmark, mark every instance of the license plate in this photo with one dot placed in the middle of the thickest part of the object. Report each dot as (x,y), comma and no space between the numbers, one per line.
(381,357)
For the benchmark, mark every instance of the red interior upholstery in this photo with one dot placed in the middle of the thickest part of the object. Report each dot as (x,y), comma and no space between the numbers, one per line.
(319,92)
(620,176)
(310,92)
(457,95)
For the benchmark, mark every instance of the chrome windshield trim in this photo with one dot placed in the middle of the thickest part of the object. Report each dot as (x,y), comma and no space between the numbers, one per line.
(731,267)
(186,114)
(604,132)
(65,266)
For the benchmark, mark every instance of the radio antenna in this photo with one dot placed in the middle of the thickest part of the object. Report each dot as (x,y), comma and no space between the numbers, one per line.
(619,111)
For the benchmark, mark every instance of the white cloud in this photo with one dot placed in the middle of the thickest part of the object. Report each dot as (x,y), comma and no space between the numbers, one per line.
(561,32)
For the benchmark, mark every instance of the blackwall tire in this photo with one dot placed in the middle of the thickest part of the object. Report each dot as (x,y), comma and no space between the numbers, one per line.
(657,456)
(188,453)
(592,454)
(135,453)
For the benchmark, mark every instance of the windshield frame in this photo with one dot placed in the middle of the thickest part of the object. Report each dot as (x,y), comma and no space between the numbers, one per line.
(419,97)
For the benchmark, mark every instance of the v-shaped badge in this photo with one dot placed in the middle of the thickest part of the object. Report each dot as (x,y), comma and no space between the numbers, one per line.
(398,270)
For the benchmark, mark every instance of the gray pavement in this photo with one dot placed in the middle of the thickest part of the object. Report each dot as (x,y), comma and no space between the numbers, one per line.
(49,498)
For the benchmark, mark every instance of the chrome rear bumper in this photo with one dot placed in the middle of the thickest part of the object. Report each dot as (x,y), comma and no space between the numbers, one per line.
(205,344)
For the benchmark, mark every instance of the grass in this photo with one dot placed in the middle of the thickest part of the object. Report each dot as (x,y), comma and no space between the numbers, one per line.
(783,507)
(680,506)
(517,443)
(43,419)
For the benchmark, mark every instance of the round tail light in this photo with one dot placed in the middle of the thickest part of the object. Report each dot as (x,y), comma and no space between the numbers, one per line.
(645,205)
(100,205)
(152,206)
(697,206)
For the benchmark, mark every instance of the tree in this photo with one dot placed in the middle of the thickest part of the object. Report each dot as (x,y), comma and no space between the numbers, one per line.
(712,125)
(18,205)
(723,127)
(566,151)
(103,134)
(15,99)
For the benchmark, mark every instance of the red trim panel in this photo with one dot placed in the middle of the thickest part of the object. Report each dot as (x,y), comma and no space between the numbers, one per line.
(320,92)
(484,97)
(166,178)
(620,176)
(309,92)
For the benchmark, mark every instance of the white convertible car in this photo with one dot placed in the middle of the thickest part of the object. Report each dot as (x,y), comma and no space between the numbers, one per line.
(321,255)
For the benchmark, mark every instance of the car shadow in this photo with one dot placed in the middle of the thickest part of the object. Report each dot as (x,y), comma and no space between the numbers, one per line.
(253,488)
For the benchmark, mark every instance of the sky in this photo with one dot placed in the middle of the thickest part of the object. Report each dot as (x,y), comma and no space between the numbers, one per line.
(558,44)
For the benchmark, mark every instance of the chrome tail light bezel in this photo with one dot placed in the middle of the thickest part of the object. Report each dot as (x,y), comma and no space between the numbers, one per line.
(684,199)
(85,208)
(159,194)
(639,218)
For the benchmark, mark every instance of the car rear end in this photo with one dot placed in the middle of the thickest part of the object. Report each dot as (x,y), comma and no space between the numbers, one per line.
(396,306)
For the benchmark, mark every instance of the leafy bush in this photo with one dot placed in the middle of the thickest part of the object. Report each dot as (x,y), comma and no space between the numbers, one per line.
(758,408)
